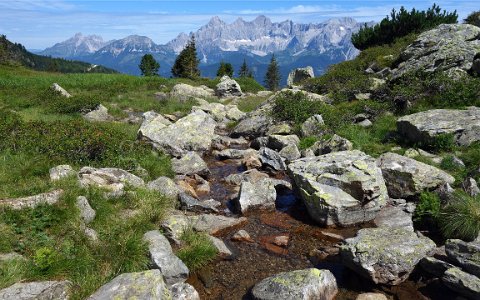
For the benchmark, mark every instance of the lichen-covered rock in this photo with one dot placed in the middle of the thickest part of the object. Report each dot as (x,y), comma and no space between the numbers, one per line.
(144,285)
(189,164)
(220,112)
(463,283)
(193,132)
(300,74)
(112,179)
(213,224)
(184,291)
(278,142)
(258,194)
(290,153)
(312,126)
(185,92)
(470,187)
(385,255)
(99,114)
(308,284)
(175,225)
(448,47)
(334,144)
(190,203)
(424,127)
(61,171)
(271,159)
(42,290)
(340,188)
(228,87)
(464,254)
(257,122)
(234,153)
(407,177)
(87,213)
(32,201)
(161,254)
(394,216)
(165,186)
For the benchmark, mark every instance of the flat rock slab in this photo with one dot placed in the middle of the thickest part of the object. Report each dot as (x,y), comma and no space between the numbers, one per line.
(308,284)
(190,164)
(340,188)
(44,290)
(407,177)
(32,201)
(161,254)
(139,286)
(463,283)
(214,224)
(464,254)
(385,255)
(113,179)
(394,216)
(424,126)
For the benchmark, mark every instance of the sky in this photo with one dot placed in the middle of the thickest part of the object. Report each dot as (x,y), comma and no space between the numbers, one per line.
(38,24)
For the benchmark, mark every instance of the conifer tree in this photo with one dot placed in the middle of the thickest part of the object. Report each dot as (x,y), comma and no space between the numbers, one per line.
(272,77)
(225,69)
(149,66)
(186,63)
(245,71)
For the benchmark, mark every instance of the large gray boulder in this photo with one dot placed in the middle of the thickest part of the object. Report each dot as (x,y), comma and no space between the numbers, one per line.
(394,216)
(259,194)
(161,254)
(300,74)
(257,122)
(385,255)
(228,87)
(144,285)
(308,284)
(340,188)
(213,224)
(463,283)
(464,254)
(42,290)
(193,132)
(271,159)
(189,164)
(184,92)
(407,177)
(448,47)
(424,127)
(334,144)
(278,142)
(32,201)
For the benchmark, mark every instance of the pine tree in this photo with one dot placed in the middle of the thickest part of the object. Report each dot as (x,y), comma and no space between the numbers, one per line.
(186,63)
(272,77)
(473,18)
(244,70)
(149,66)
(225,69)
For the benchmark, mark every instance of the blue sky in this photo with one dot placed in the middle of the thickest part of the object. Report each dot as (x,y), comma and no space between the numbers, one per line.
(41,23)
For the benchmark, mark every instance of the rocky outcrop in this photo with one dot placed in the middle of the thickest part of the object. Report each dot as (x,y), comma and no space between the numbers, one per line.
(61,171)
(162,257)
(189,164)
(300,74)
(463,283)
(99,114)
(385,255)
(32,201)
(144,285)
(424,127)
(185,92)
(308,284)
(340,188)
(42,290)
(448,47)
(228,87)
(407,177)
(194,132)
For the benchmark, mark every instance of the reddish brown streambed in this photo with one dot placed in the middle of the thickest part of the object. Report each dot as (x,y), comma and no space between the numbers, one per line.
(308,246)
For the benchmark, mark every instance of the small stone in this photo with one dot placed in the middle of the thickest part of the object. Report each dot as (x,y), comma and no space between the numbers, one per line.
(99,114)
(87,213)
(371,296)
(33,201)
(281,240)
(313,126)
(470,187)
(365,123)
(222,249)
(242,236)
(183,291)
(57,88)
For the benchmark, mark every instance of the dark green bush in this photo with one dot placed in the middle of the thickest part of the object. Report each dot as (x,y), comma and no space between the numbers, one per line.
(428,207)
(249,85)
(400,24)
(56,103)
(294,107)
(473,18)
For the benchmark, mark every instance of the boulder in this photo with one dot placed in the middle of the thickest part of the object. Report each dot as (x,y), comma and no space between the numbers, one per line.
(185,92)
(220,112)
(61,171)
(424,127)
(41,290)
(213,224)
(394,216)
(312,126)
(193,132)
(99,114)
(334,144)
(87,213)
(32,201)
(228,87)
(282,128)
(407,177)
(191,163)
(435,266)
(189,203)
(164,186)
(290,153)
(464,254)
(60,90)
(340,188)
(462,283)
(448,47)
(470,187)
(219,244)
(371,296)
(271,159)
(175,225)
(250,176)
(144,285)
(278,142)
(300,74)
(242,236)
(308,284)
(385,255)
(257,122)
(5,257)
(234,153)
(184,291)
(161,254)
(112,179)
(258,194)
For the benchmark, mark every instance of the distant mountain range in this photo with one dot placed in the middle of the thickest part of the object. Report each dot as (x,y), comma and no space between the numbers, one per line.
(295,45)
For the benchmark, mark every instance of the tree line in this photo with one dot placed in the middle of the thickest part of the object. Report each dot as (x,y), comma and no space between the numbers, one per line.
(186,66)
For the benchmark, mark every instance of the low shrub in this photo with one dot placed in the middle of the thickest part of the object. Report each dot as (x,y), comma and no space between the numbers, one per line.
(294,107)
(428,208)
(249,85)
(461,218)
